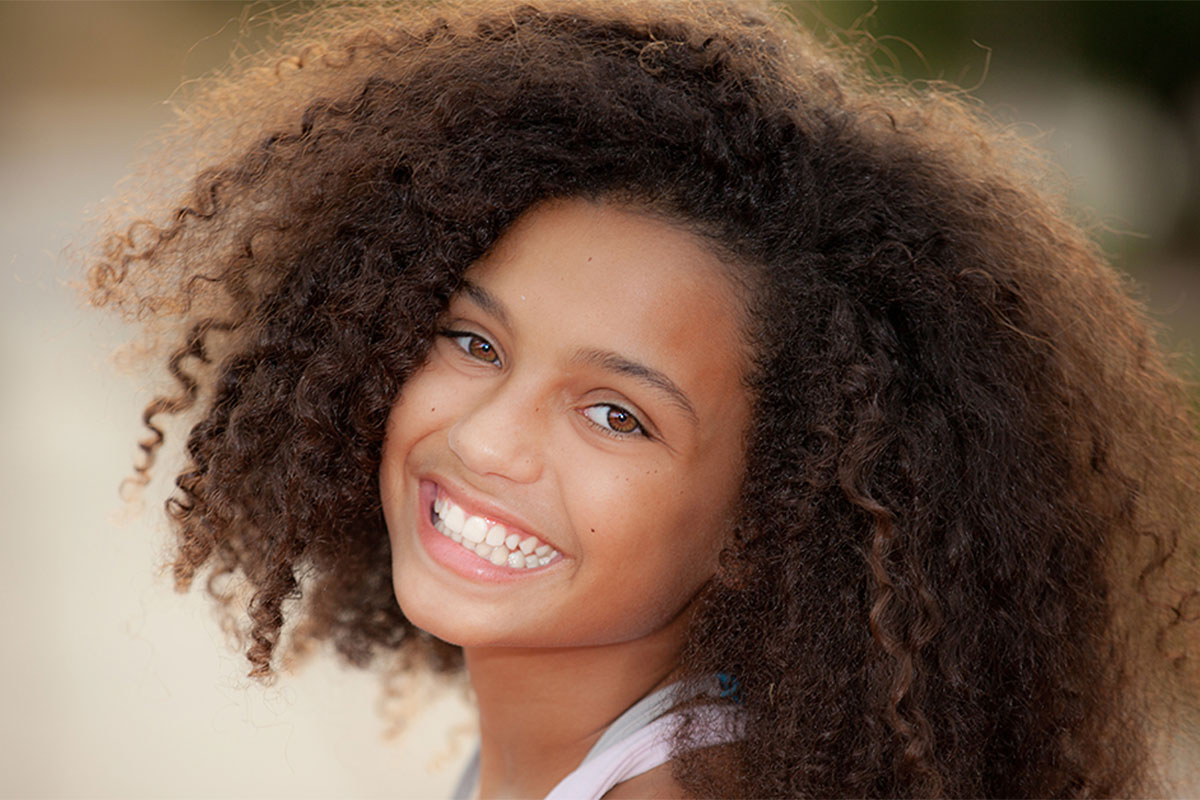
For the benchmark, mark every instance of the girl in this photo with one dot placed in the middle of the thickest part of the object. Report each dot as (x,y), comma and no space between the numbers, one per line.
(741,427)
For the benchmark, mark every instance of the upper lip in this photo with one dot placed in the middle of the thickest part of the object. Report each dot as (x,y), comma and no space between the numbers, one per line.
(480,506)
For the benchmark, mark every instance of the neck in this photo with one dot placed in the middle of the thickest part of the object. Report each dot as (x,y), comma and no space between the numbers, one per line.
(542,709)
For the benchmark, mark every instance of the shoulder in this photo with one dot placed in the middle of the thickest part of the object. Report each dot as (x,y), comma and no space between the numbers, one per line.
(655,784)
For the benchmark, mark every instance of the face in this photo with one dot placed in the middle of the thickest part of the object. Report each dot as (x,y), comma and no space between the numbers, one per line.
(579,425)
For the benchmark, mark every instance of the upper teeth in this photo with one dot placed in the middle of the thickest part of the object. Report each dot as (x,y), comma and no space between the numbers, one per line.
(489,540)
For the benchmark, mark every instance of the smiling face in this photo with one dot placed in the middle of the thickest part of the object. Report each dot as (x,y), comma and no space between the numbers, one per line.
(582,413)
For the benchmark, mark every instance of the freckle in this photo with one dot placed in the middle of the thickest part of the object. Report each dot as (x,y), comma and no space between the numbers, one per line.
(433,409)
(589,258)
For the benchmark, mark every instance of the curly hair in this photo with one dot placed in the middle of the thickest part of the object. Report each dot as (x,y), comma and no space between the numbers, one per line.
(966,554)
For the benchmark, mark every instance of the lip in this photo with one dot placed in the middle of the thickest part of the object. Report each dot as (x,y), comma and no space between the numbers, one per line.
(458,559)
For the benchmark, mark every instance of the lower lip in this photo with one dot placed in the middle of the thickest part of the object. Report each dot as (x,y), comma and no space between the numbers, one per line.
(456,558)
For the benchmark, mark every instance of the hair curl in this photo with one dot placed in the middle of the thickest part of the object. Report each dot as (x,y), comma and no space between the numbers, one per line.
(967,537)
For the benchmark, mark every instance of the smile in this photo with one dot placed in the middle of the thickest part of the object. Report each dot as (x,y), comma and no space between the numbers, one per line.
(488,540)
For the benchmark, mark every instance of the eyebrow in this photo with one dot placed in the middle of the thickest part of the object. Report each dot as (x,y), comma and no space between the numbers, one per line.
(486,300)
(612,362)
(604,359)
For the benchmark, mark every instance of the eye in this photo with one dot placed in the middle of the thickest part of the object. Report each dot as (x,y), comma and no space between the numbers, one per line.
(474,345)
(614,420)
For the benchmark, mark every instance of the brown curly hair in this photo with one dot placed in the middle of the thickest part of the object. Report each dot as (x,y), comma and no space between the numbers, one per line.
(966,557)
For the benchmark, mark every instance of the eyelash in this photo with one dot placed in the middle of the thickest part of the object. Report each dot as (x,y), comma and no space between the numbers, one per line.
(639,430)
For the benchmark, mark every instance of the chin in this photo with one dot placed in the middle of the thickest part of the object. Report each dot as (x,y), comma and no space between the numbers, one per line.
(427,608)
(458,624)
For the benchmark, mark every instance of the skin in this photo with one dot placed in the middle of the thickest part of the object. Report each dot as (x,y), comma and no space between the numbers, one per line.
(633,484)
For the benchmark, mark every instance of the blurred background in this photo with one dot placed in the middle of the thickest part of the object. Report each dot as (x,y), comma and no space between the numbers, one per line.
(114,686)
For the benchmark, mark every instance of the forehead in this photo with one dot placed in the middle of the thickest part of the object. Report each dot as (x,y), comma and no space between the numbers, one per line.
(615,257)
(582,274)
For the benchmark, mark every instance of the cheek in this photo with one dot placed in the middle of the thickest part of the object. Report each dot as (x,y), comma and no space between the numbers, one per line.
(421,409)
(651,529)
(425,401)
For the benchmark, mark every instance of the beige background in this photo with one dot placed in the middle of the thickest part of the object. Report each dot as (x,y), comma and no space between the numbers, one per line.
(110,684)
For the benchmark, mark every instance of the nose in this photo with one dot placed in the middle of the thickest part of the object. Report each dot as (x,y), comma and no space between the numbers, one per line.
(501,434)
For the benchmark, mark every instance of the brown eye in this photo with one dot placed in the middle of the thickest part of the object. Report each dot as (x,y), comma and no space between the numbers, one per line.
(474,345)
(614,420)
(482,350)
(621,420)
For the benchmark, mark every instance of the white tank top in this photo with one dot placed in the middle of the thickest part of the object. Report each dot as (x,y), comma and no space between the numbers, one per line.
(636,742)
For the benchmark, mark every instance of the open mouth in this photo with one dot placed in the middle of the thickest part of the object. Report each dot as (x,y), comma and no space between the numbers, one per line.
(488,540)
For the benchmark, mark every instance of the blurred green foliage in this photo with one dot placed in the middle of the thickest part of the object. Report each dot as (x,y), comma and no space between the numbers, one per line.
(1152,45)
(1145,47)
